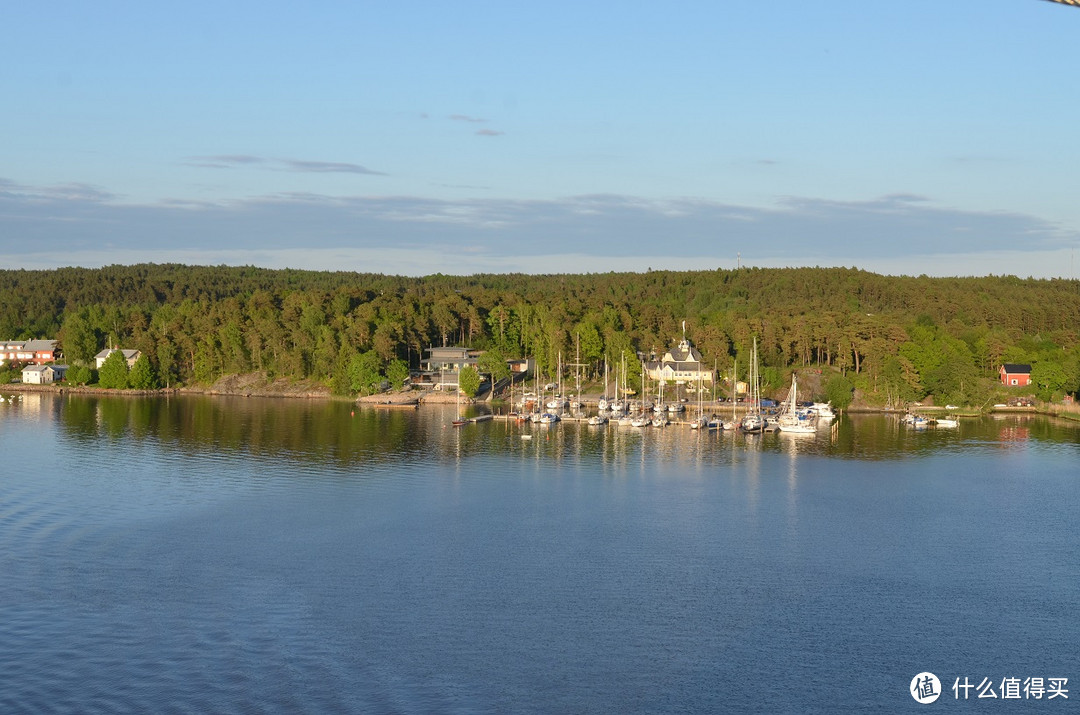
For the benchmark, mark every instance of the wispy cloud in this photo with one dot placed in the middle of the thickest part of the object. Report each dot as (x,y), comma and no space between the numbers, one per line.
(233,161)
(472,187)
(477,120)
(327,167)
(223,161)
(467,118)
(73,192)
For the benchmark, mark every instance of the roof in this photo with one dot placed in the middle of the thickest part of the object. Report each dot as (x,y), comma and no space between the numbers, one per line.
(448,352)
(31,345)
(1016,368)
(39,345)
(684,352)
(109,351)
(43,368)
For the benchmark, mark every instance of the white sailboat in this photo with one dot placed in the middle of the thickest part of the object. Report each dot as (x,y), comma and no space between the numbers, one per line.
(753,421)
(699,421)
(603,404)
(790,420)
(619,405)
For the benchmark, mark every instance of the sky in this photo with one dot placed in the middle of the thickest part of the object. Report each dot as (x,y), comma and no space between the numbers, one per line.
(411,138)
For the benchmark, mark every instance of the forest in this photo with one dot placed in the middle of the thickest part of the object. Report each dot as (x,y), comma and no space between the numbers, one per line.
(891,338)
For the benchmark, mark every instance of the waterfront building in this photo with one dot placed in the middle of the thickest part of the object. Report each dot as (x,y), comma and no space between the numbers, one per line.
(681,365)
(43,374)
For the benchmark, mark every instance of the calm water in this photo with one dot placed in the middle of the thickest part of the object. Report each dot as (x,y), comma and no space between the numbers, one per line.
(218,555)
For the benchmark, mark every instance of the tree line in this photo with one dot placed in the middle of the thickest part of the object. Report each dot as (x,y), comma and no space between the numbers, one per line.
(895,338)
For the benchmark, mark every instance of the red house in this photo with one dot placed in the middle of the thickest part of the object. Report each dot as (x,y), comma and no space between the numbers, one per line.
(1015,375)
(29,352)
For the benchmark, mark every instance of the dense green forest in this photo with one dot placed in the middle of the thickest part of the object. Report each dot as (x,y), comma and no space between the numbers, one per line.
(893,338)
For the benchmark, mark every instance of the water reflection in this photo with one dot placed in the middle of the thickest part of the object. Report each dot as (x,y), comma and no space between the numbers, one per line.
(287,555)
(341,433)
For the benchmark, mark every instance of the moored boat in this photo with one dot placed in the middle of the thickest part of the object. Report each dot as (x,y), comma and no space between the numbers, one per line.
(791,419)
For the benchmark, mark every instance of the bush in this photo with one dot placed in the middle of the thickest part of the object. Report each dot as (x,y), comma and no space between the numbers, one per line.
(839,392)
(469,380)
(79,375)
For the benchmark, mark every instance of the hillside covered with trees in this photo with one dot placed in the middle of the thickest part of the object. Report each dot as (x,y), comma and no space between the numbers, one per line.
(894,338)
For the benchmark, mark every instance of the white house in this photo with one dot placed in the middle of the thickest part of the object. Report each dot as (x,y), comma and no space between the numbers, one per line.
(130,355)
(43,374)
(680,365)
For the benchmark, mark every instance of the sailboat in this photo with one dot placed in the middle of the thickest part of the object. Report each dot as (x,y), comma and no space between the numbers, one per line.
(753,421)
(618,406)
(602,405)
(734,397)
(790,420)
(699,421)
(575,403)
(460,419)
(660,406)
(557,401)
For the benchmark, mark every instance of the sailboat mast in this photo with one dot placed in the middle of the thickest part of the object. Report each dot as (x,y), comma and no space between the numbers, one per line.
(734,386)
(577,366)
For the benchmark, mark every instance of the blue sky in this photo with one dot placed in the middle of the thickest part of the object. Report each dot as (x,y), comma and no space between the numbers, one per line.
(920,137)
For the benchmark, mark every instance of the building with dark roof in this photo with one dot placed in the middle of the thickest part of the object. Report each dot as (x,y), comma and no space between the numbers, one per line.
(680,365)
(1015,375)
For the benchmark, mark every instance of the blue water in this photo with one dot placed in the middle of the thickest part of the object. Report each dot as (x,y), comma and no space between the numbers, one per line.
(270,556)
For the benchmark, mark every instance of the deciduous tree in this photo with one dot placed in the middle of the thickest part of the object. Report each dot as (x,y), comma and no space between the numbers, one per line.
(113,373)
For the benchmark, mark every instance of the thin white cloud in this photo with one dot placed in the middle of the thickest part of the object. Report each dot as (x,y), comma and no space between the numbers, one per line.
(233,161)
(224,161)
(73,192)
(327,167)
(467,118)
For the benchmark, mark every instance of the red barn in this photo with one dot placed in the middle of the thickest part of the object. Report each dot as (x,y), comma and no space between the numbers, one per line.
(1015,375)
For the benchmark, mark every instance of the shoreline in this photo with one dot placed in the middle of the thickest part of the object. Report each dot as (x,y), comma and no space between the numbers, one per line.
(414,399)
